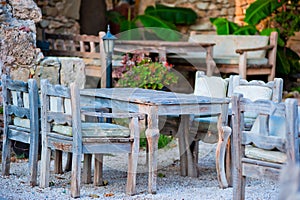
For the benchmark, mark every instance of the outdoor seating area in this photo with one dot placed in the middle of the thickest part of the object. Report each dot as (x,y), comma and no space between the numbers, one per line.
(64,108)
(175,102)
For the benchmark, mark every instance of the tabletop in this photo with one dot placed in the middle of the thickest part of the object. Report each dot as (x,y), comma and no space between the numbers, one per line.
(151,97)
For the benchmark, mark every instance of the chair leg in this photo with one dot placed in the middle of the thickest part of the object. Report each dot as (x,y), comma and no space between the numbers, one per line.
(68,166)
(75,178)
(98,170)
(6,153)
(87,169)
(33,156)
(45,167)
(33,159)
(224,133)
(132,167)
(58,162)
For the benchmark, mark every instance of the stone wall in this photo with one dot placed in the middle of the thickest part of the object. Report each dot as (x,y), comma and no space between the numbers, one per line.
(59,16)
(205,10)
(18,37)
(19,56)
(62,70)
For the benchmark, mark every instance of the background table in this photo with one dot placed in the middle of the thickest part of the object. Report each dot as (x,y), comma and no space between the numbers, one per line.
(154,103)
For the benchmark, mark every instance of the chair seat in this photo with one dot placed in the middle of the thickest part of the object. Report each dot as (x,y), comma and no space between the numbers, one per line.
(265,155)
(95,130)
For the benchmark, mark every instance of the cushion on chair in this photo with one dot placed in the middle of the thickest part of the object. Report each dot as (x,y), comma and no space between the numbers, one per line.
(211,87)
(95,130)
(253,92)
(235,60)
(265,155)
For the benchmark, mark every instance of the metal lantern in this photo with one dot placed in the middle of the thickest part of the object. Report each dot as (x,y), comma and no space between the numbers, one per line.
(108,41)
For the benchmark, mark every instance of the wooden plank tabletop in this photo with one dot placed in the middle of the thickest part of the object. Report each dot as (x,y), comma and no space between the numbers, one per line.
(155,46)
(151,97)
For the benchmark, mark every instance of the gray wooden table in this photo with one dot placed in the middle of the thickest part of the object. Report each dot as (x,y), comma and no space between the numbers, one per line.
(164,48)
(154,103)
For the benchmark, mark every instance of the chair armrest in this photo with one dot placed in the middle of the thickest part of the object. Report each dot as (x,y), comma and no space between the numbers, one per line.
(241,51)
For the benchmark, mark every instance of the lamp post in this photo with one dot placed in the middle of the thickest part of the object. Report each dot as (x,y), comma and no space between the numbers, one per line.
(109,43)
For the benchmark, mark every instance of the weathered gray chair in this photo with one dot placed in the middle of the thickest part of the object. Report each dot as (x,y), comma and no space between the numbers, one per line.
(272,141)
(21,121)
(63,129)
(206,128)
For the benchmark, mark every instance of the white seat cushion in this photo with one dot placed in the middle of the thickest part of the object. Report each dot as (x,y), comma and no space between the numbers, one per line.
(265,155)
(253,92)
(213,86)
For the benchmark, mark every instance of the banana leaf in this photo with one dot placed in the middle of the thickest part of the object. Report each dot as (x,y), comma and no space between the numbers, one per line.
(152,21)
(175,15)
(223,26)
(260,9)
(287,61)
(246,30)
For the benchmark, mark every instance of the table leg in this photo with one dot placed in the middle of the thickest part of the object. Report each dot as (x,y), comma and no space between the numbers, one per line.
(210,63)
(191,161)
(182,149)
(152,134)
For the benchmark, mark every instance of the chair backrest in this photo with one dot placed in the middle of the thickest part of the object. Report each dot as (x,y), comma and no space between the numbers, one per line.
(263,142)
(85,46)
(212,86)
(88,47)
(56,110)
(226,45)
(256,89)
(20,106)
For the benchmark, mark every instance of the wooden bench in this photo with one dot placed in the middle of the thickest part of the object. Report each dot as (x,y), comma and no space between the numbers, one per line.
(86,47)
(241,54)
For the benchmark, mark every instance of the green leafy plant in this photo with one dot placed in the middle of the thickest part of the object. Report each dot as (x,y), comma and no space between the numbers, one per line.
(159,16)
(282,15)
(142,72)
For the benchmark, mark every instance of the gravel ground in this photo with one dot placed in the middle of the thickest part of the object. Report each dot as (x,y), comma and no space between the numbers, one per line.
(170,185)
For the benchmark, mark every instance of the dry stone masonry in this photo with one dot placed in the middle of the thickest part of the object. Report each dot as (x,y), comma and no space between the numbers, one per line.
(18,37)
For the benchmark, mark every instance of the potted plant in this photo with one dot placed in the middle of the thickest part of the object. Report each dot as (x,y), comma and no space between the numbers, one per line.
(140,71)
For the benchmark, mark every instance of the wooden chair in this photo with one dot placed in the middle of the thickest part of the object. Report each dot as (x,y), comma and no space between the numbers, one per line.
(206,128)
(241,54)
(87,47)
(21,121)
(64,130)
(272,142)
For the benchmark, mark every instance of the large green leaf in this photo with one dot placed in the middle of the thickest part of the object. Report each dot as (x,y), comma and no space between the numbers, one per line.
(127,25)
(115,17)
(282,64)
(175,15)
(260,9)
(246,30)
(151,21)
(223,26)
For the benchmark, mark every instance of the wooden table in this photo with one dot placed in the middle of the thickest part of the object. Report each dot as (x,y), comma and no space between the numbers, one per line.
(154,103)
(163,48)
